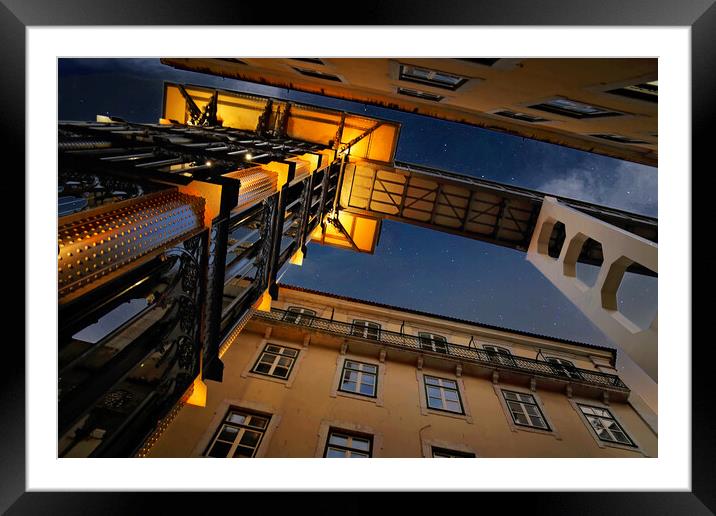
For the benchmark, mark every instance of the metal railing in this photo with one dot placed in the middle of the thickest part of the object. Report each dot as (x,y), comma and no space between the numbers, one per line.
(457,351)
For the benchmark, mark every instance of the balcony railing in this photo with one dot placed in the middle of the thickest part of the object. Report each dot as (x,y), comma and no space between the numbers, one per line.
(423,345)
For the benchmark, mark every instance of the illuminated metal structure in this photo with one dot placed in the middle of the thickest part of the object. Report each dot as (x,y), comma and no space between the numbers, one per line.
(187,226)
(171,234)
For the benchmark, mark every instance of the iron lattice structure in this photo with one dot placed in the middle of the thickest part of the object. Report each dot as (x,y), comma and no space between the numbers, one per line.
(168,235)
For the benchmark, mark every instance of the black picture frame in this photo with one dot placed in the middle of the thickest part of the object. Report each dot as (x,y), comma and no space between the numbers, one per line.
(699,15)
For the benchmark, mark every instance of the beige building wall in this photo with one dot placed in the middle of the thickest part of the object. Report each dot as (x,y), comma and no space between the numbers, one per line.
(508,84)
(303,407)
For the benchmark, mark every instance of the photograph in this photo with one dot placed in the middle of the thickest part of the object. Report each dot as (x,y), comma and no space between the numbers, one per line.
(423,232)
(357,257)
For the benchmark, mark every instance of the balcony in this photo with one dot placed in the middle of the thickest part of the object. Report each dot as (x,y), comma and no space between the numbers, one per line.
(508,364)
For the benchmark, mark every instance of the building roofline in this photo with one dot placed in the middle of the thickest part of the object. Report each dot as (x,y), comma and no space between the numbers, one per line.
(613,351)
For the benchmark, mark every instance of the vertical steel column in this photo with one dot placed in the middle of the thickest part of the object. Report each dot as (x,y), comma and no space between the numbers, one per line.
(215,274)
(305,211)
(268,223)
(324,191)
(276,237)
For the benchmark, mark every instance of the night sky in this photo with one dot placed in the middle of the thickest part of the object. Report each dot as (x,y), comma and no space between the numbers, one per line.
(414,267)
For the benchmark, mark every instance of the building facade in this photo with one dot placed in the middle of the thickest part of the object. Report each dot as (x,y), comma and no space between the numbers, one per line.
(606,106)
(318,375)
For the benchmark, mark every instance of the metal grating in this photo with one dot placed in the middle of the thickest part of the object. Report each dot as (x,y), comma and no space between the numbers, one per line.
(256,184)
(94,244)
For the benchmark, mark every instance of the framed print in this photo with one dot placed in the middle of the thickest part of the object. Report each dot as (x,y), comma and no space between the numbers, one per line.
(293,326)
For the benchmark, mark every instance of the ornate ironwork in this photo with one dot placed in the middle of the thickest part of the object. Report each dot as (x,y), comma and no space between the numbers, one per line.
(120,384)
(264,256)
(456,351)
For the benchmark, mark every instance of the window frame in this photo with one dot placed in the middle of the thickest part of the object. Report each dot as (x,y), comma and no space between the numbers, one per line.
(425,410)
(302,348)
(403,75)
(443,399)
(428,443)
(274,364)
(242,430)
(344,368)
(222,408)
(512,114)
(581,406)
(564,370)
(523,404)
(422,337)
(637,447)
(365,328)
(381,366)
(301,312)
(351,435)
(553,432)
(327,425)
(452,454)
(499,357)
(544,106)
(635,91)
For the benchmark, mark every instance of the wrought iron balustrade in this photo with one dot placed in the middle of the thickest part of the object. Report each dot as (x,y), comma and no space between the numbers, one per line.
(460,352)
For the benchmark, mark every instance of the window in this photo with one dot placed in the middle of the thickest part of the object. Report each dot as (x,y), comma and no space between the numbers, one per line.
(276,361)
(605,426)
(648,91)
(617,138)
(342,444)
(365,329)
(563,367)
(524,410)
(359,378)
(443,394)
(574,109)
(298,315)
(420,94)
(239,435)
(450,454)
(500,355)
(433,342)
(525,117)
(431,77)
(317,74)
